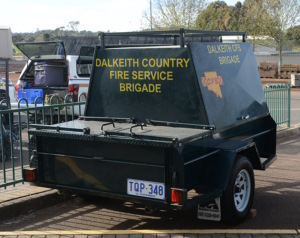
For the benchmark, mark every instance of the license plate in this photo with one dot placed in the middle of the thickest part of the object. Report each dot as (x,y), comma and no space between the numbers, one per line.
(146,189)
(211,211)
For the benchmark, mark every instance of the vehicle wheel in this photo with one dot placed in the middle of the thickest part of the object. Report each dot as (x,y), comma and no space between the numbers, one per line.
(237,199)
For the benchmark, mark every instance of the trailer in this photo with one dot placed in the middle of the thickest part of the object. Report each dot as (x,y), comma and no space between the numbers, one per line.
(179,121)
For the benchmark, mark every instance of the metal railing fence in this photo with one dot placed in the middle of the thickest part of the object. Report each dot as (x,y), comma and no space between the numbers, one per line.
(14,124)
(278,97)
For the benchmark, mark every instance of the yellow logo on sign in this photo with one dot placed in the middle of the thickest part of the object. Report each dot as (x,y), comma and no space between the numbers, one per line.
(212,81)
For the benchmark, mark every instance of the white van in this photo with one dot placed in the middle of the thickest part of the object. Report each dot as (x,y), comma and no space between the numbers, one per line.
(49,71)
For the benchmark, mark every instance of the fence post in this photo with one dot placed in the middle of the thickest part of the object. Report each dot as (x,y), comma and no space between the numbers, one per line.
(289,105)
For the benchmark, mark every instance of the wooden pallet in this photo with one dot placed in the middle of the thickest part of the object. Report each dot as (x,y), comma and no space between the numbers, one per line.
(268,73)
(285,76)
(290,67)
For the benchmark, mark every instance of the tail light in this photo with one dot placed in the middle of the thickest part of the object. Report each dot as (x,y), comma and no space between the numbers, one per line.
(177,197)
(29,174)
(73,89)
(17,87)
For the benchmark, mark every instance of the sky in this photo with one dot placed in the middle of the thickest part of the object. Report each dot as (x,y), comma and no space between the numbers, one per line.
(93,15)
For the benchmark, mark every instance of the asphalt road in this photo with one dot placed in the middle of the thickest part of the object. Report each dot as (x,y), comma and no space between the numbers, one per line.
(277,201)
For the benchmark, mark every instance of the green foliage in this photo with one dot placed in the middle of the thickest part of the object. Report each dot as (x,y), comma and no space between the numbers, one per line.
(293,35)
(74,25)
(214,17)
(235,21)
(52,35)
(253,21)
(18,37)
(172,14)
(267,22)
(48,35)
(280,16)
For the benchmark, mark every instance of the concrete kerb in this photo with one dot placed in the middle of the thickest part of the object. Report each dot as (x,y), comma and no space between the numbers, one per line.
(285,132)
(25,205)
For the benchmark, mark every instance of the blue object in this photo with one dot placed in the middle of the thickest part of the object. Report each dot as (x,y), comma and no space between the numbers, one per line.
(30,95)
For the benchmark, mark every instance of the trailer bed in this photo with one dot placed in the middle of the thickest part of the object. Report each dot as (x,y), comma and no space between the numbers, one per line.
(103,130)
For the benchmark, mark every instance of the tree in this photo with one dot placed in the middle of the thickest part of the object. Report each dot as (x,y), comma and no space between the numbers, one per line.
(58,32)
(17,37)
(254,20)
(214,17)
(46,37)
(293,35)
(74,25)
(173,14)
(236,15)
(280,16)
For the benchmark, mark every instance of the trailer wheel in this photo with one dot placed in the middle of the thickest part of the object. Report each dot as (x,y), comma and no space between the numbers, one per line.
(237,199)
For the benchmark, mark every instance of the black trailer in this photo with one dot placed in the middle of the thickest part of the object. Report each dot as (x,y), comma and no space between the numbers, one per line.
(178,121)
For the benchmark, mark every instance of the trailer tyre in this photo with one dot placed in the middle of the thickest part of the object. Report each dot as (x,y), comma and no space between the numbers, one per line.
(237,199)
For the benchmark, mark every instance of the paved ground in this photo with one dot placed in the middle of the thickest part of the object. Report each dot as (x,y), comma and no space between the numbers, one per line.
(150,234)
(20,191)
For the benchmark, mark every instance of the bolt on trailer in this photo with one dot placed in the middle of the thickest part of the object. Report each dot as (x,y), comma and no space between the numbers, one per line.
(177,117)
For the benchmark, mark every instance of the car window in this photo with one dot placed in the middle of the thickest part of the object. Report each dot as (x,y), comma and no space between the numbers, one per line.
(42,50)
(85,61)
(83,69)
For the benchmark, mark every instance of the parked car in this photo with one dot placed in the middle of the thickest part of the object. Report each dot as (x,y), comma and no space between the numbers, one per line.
(49,71)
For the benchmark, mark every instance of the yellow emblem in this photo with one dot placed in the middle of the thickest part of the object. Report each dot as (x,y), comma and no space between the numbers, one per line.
(212,81)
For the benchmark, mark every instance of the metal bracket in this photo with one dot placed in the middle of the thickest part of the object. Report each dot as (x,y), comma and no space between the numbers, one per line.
(138,125)
(106,124)
(86,131)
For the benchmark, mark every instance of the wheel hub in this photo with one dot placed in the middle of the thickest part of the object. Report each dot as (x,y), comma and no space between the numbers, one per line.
(242,190)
